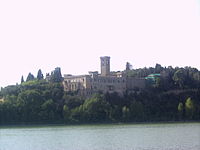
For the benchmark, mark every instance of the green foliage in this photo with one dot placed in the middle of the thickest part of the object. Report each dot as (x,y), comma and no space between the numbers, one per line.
(125,114)
(115,113)
(40,101)
(171,78)
(40,75)
(10,90)
(48,109)
(66,113)
(56,75)
(179,78)
(158,68)
(30,102)
(78,115)
(30,77)
(8,112)
(158,82)
(96,109)
(22,79)
(137,111)
(180,110)
(72,101)
(189,108)
(128,66)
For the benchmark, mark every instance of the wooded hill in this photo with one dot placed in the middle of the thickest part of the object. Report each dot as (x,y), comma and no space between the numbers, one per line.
(174,96)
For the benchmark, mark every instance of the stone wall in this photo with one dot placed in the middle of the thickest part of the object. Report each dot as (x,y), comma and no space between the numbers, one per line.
(74,83)
(95,84)
(133,83)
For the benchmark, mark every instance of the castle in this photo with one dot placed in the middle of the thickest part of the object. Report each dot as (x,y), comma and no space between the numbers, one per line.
(106,81)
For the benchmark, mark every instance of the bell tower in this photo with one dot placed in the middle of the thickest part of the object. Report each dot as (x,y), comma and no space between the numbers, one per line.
(105,66)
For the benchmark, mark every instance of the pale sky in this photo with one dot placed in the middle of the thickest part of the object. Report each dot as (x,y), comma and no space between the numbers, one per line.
(44,34)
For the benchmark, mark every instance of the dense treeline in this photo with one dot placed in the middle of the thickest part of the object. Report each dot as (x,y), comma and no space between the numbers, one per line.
(175,96)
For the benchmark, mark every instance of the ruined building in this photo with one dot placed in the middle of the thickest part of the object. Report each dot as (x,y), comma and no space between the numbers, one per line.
(107,81)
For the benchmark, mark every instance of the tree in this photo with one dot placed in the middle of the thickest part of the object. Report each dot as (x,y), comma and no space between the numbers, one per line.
(115,113)
(22,79)
(128,66)
(137,111)
(66,113)
(179,78)
(30,77)
(72,101)
(56,75)
(30,102)
(189,108)
(158,68)
(97,109)
(158,82)
(10,90)
(47,112)
(78,115)
(125,113)
(180,110)
(40,75)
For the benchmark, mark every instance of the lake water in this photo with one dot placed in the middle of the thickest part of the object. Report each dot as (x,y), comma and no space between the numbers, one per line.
(103,137)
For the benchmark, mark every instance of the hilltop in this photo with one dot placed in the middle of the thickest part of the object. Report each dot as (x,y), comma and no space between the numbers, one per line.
(174,95)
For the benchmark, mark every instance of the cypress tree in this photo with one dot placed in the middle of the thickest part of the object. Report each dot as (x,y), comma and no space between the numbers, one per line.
(40,75)
(30,77)
(22,79)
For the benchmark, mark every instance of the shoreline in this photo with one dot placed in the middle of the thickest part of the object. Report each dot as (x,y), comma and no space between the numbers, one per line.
(29,125)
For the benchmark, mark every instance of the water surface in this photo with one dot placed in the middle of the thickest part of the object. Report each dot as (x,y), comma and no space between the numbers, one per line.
(103,137)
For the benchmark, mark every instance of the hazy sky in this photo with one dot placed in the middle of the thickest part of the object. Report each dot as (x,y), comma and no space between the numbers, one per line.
(74,34)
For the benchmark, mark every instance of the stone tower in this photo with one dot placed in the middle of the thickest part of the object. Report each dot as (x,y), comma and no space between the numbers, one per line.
(105,66)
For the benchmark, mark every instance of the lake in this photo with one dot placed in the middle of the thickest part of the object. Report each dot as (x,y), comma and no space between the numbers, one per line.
(180,136)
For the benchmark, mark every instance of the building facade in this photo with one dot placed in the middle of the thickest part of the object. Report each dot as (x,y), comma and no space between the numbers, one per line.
(104,82)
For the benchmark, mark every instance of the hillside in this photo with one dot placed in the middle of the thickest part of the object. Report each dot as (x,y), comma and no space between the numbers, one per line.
(174,96)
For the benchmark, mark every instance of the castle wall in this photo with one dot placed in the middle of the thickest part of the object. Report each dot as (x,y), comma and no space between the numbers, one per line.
(94,84)
(106,82)
(74,83)
(133,83)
